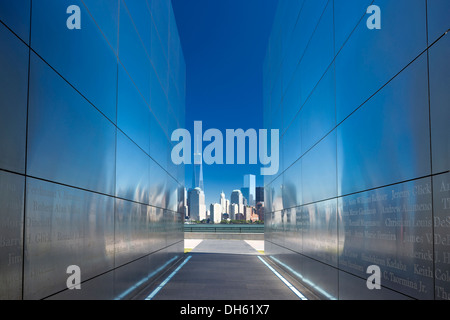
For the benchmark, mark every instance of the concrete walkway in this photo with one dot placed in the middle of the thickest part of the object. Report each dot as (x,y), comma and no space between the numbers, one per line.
(224,270)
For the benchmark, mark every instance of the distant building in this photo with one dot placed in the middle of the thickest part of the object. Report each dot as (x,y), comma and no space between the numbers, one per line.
(259,194)
(246,194)
(196,203)
(227,207)
(239,216)
(259,210)
(224,203)
(253,216)
(234,210)
(237,198)
(248,212)
(197,181)
(215,212)
(186,211)
(226,210)
(250,185)
(182,201)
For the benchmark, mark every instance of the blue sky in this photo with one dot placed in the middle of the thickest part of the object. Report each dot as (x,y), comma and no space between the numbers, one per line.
(224,45)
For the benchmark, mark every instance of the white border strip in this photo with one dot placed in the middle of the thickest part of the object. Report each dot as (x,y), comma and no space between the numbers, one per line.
(287,283)
(153,294)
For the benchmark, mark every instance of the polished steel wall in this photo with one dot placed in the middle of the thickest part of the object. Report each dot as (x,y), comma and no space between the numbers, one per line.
(85,123)
(365,147)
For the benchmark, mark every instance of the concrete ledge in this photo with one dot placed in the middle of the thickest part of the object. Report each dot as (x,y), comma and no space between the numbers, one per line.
(224,236)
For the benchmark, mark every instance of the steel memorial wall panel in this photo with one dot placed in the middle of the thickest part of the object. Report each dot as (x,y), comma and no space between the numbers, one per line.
(439,97)
(16,16)
(364,65)
(65,226)
(391,227)
(86,57)
(372,161)
(82,153)
(13,104)
(375,149)
(86,105)
(441,205)
(11,238)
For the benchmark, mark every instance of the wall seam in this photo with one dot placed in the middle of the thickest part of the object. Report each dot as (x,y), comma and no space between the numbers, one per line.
(24,237)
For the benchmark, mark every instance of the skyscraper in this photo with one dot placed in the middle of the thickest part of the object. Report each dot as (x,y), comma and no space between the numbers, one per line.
(182,201)
(237,198)
(224,203)
(250,184)
(197,179)
(215,211)
(234,210)
(259,194)
(197,207)
(245,193)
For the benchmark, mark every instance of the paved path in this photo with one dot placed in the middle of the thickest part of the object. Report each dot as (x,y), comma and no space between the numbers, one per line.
(225,270)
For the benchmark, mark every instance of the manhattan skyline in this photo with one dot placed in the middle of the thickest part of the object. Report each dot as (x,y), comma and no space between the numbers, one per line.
(244,203)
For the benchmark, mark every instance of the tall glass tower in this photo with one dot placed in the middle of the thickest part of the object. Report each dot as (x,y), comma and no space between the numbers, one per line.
(250,188)
(197,179)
